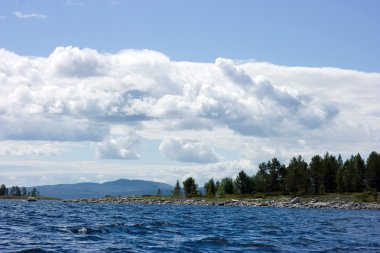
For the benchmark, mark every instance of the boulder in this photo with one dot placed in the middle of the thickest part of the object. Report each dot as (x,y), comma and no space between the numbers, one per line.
(295,200)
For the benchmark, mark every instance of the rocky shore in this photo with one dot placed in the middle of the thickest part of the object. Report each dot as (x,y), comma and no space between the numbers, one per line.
(281,203)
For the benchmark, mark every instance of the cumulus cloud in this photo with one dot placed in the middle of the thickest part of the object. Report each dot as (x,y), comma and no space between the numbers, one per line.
(232,72)
(192,151)
(73,62)
(19,14)
(146,85)
(79,94)
(119,147)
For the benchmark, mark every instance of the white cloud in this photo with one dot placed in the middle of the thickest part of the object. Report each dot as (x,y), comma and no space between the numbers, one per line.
(15,148)
(19,14)
(80,94)
(72,62)
(28,126)
(119,147)
(192,151)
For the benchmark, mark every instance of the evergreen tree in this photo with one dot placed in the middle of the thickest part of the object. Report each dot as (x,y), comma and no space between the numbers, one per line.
(330,168)
(190,187)
(297,180)
(349,175)
(210,188)
(217,185)
(360,173)
(3,190)
(15,191)
(340,161)
(177,191)
(373,170)
(315,173)
(277,174)
(226,186)
(340,180)
(34,192)
(262,178)
(244,184)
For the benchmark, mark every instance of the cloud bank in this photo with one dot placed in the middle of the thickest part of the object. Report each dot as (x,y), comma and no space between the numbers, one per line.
(80,95)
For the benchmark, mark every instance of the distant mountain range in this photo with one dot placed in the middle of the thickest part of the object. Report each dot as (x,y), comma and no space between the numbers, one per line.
(120,187)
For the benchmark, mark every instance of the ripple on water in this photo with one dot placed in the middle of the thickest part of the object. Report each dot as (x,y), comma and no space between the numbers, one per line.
(61,227)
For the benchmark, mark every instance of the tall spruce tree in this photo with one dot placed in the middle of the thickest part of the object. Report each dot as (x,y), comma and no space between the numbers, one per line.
(297,180)
(330,168)
(210,188)
(177,191)
(262,180)
(360,173)
(316,173)
(277,174)
(244,184)
(349,175)
(340,180)
(373,170)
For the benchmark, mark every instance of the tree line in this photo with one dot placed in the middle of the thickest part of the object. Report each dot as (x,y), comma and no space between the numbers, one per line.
(17,191)
(324,174)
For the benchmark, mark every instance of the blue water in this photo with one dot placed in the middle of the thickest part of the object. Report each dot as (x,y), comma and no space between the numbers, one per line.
(71,227)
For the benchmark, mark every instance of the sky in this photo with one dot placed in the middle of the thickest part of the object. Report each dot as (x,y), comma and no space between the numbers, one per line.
(162,90)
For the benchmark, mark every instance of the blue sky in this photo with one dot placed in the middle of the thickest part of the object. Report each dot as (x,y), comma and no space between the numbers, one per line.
(160,90)
(292,33)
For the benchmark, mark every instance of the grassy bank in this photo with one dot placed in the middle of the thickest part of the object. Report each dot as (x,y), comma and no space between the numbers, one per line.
(26,197)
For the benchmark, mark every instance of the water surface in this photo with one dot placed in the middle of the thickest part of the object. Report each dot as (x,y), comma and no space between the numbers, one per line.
(48,226)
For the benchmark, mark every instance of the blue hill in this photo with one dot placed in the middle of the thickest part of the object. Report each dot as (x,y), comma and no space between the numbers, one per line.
(120,187)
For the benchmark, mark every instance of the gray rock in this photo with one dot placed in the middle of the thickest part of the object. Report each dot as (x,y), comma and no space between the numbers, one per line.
(296,200)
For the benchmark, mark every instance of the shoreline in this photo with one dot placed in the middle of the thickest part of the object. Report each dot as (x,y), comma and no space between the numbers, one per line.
(296,202)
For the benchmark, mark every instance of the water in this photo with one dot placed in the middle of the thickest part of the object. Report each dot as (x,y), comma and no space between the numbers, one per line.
(45,226)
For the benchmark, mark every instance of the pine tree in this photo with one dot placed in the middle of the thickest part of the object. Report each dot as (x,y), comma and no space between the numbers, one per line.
(190,187)
(177,191)
(349,175)
(297,180)
(330,168)
(277,174)
(210,188)
(226,186)
(262,180)
(340,181)
(217,185)
(359,182)
(3,190)
(315,173)
(373,170)
(244,184)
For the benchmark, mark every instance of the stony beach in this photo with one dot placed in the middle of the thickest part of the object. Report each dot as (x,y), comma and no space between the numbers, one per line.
(280,203)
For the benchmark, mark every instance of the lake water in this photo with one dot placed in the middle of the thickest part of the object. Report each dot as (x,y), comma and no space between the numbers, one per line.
(46,226)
